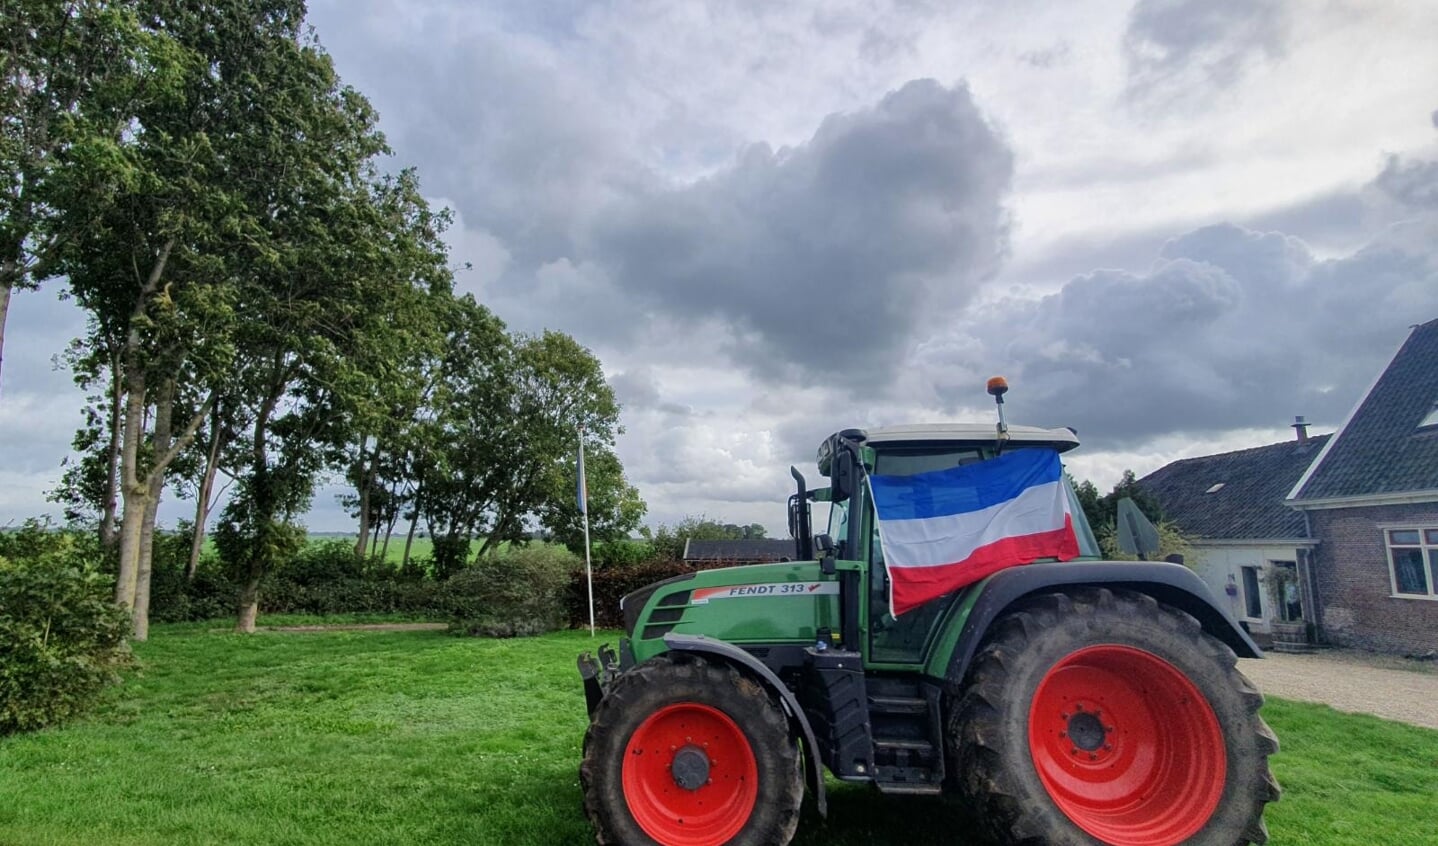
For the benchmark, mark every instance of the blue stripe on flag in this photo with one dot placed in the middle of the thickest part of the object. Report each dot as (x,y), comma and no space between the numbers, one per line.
(959,490)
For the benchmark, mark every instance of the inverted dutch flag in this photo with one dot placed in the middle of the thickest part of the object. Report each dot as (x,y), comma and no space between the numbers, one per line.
(946,529)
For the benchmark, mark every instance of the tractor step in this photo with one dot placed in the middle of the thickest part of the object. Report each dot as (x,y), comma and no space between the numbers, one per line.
(897,745)
(898,705)
(899,788)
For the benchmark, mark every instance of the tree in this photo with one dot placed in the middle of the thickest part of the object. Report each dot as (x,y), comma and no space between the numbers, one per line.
(460,451)
(1102,514)
(669,540)
(68,73)
(503,441)
(250,258)
(615,507)
(356,294)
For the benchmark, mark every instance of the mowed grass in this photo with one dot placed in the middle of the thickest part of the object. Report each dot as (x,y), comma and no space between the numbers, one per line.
(419,737)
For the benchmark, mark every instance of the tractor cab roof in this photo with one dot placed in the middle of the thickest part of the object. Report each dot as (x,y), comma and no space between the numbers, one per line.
(1060,439)
(947,434)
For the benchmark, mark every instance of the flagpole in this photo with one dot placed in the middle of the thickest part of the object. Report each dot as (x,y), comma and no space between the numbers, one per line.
(584,510)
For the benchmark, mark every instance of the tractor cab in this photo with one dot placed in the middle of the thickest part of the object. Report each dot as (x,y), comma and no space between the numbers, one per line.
(852,533)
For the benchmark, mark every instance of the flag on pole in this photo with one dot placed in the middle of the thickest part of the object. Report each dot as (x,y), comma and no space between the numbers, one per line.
(581,492)
(946,529)
(582,497)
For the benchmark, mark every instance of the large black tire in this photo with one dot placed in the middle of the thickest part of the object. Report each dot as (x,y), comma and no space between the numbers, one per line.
(656,698)
(1072,650)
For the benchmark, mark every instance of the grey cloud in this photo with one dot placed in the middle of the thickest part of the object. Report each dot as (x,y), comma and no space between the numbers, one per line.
(1412,184)
(635,388)
(518,139)
(1230,328)
(1336,219)
(1173,47)
(638,390)
(824,258)
(1434,116)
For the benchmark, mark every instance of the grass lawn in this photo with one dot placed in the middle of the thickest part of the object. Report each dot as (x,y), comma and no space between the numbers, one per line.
(419,737)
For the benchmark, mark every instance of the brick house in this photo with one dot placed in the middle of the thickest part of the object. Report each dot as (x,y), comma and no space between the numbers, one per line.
(1371,499)
(1252,550)
(1337,532)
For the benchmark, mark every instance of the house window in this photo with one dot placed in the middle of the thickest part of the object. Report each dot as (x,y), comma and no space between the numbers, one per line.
(1252,601)
(1413,560)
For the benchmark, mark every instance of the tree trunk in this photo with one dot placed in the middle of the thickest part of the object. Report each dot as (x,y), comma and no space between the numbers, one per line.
(409,538)
(249,602)
(264,504)
(5,289)
(203,502)
(132,489)
(360,544)
(140,617)
(108,530)
(155,482)
(390,519)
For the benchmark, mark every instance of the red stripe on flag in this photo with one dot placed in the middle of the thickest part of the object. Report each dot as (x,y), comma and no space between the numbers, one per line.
(913,586)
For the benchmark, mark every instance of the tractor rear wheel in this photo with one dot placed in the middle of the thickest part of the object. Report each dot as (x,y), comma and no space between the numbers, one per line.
(1104,717)
(683,751)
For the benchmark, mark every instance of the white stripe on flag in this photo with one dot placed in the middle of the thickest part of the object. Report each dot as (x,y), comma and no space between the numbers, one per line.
(939,541)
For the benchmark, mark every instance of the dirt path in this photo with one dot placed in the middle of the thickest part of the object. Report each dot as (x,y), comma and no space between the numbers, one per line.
(1354,682)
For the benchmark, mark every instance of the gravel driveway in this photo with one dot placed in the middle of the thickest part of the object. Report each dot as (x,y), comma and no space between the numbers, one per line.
(1352,681)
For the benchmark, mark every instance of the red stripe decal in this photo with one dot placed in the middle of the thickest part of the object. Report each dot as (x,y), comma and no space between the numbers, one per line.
(913,586)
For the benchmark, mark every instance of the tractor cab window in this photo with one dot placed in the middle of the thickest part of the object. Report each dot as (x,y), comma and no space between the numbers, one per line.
(839,526)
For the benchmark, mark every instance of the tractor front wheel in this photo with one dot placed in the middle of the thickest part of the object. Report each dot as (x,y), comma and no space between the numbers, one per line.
(683,751)
(1108,718)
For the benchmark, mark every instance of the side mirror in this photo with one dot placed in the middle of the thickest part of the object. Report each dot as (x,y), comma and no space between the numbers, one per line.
(825,545)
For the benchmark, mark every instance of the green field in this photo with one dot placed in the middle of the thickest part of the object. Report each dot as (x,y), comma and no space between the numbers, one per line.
(419,737)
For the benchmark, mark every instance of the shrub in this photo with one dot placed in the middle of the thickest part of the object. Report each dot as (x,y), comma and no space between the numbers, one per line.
(514,593)
(367,594)
(611,584)
(61,638)
(322,563)
(621,553)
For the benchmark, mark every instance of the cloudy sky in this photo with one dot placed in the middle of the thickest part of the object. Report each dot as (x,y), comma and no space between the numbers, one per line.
(1172,224)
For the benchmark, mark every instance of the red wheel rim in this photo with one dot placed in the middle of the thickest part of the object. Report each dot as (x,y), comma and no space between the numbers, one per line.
(709,796)
(1127,747)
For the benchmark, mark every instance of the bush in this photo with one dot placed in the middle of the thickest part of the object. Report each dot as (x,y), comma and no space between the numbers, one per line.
(61,638)
(514,593)
(322,563)
(611,584)
(363,595)
(174,599)
(608,555)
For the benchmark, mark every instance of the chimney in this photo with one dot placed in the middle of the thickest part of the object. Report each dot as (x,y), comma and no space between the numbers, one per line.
(1300,424)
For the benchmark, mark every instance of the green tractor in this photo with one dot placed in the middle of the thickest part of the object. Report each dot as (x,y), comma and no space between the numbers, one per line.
(1075,702)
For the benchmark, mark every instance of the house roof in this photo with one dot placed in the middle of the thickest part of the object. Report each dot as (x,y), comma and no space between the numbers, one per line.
(1235,495)
(738,550)
(1383,448)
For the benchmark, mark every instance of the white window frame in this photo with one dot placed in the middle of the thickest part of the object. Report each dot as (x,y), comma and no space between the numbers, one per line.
(1430,559)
